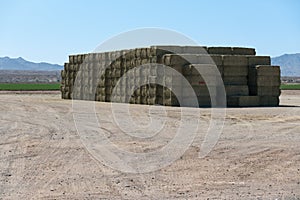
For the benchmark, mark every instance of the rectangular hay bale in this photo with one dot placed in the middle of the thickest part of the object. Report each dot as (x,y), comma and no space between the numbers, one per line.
(258,60)
(235,70)
(269,101)
(265,70)
(243,51)
(201,69)
(235,80)
(235,60)
(186,59)
(243,101)
(265,90)
(264,81)
(237,90)
(220,50)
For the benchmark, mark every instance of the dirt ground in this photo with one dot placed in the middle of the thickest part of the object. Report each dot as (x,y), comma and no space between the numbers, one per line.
(42,156)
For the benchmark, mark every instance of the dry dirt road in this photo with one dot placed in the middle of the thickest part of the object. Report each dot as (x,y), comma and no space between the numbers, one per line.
(42,156)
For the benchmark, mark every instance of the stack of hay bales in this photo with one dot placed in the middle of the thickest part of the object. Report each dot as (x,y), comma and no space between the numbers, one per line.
(69,74)
(249,80)
(109,76)
(264,82)
(187,65)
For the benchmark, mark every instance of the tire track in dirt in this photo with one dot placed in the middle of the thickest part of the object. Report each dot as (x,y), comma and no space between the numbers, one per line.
(41,157)
(35,128)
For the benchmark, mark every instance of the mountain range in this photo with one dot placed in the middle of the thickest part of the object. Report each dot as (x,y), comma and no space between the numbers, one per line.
(7,63)
(289,63)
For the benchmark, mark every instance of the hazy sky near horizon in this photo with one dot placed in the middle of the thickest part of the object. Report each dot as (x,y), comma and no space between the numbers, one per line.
(50,30)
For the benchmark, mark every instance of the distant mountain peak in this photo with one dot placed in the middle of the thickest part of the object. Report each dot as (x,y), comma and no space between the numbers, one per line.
(20,58)
(289,63)
(7,63)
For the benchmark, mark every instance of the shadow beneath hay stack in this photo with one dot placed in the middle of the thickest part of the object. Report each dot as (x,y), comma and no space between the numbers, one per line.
(294,106)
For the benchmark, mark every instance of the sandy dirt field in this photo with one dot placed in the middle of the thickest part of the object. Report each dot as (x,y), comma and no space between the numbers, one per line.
(42,156)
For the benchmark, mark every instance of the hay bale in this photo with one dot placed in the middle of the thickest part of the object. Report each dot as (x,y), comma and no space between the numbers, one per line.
(220,50)
(237,90)
(144,91)
(101,82)
(67,95)
(144,54)
(154,71)
(152,101)
(161,50)
(79,59)
(170,102)
(63,74)
(243,101)
(132,100)
(144,72)
(265,70)
(264,81)
(137,100)
(265,90)
(269,101)
(217,60)
(173,80)
(235,80)
(258,60)
(66,67)
(116,73)
(98,98)
(201,69)
(207,101)
(187,59)
(243,51)
(235,60)
(71,59)
(194,49)
(144,100)
(101,91)
(167,93)
(201,91)
(138,52)
(154,59)
(235,70)
(200,80)
(152,93)
(77,67)
(116,64)
(130,54)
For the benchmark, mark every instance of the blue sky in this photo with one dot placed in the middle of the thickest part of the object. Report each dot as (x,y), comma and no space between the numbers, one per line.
(41,30)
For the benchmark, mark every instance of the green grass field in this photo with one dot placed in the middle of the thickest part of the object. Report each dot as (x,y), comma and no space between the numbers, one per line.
(29,86)
(290,87)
